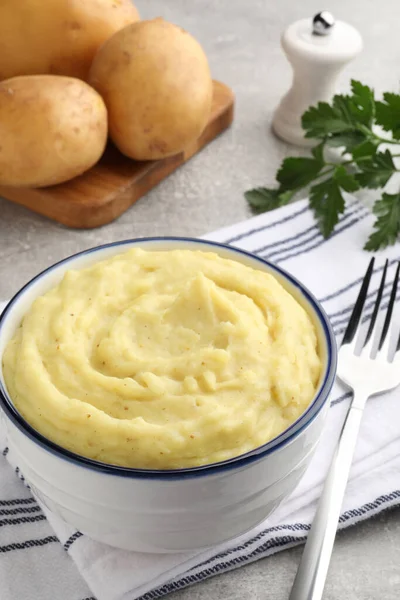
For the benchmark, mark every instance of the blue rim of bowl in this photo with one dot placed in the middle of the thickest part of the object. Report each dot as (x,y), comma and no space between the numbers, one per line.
(210,469)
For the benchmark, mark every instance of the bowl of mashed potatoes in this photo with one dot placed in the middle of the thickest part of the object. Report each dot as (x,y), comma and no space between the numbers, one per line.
(164,394)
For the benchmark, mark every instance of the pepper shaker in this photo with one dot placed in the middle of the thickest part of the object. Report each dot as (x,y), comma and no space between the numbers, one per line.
(317,49)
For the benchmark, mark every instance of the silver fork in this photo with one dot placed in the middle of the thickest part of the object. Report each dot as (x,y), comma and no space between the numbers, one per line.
(367,375)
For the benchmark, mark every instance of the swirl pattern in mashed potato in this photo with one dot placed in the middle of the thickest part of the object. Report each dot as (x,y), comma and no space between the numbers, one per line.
(163,359)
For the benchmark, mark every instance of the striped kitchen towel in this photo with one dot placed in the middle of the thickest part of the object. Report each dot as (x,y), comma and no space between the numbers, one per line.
(36,548)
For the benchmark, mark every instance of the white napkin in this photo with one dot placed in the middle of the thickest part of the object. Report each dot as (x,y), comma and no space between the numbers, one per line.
(332,270)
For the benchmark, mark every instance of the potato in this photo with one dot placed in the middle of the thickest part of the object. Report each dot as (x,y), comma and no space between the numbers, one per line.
(57,37)
(155,80)
(52,128)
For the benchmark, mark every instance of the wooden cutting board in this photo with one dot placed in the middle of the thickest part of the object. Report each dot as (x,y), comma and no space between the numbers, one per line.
(108,189)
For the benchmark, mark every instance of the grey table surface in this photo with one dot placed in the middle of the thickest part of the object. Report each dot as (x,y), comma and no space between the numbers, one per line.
(241,39)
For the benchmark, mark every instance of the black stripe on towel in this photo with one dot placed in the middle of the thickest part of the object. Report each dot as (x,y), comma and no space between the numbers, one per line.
(19,510)
(277,542)
(370,302)
(283,541)
(315,235)
(72,539)
(22,478)
(339,328)
(16,501)
(18,472)
(282,257)
(368,312)
(355,282)
(296,527)
(4,522)
(242,236)
(362,511)
(370,506)
(29,544)
(341,398)
(284,241)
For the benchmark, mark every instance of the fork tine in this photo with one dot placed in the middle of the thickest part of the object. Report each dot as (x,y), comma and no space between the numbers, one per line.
(355,317)
(389,313)
(377,305)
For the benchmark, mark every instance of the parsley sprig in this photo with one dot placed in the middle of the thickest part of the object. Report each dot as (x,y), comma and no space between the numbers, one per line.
(347,123)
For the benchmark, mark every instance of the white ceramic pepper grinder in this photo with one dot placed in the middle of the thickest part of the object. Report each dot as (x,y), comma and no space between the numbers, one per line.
(317,49)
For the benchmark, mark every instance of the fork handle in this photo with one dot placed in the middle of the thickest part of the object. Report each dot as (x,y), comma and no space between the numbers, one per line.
(311,575)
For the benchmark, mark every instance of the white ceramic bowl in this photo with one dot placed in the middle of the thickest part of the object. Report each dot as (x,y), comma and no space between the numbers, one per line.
(176,510)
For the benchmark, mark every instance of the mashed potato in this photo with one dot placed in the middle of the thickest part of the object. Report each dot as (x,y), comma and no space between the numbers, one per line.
(163,360)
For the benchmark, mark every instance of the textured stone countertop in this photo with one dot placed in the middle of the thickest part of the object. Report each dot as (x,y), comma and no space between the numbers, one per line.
(241,39)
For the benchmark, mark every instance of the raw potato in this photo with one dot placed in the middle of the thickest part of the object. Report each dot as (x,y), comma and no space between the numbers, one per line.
(52,128)
(156,83)
(57,37)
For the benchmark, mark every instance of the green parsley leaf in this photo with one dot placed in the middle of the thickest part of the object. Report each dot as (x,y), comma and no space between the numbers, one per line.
(324,120)
(366,148)
(318,152)
(265,199)
(362,103)
(388,113)
(387,224)
(347,140)
(343,106)
(297,172)
(345,114)
(345,180)
(376,171)
(326,199)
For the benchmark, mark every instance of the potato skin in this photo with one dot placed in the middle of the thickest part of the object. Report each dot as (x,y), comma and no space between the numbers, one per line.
(57,37)
(155,80)
(52,129)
